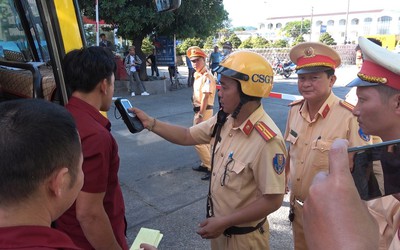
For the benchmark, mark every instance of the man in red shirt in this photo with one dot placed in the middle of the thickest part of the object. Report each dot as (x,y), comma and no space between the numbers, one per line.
(97,218)
(40,173)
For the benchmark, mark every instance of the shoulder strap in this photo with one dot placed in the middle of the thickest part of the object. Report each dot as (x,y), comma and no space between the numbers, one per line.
(266,132)
(296,102)
(347,105)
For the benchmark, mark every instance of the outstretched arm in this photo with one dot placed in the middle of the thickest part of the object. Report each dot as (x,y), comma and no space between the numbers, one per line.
(173,133)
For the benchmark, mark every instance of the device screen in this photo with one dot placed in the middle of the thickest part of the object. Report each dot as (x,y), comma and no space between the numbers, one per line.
(127,105)
(376,169)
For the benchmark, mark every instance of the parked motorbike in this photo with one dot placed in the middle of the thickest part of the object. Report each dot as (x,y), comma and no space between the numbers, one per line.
(284,69)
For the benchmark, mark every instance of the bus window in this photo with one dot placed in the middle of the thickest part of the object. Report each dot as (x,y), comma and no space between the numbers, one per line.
(15,45)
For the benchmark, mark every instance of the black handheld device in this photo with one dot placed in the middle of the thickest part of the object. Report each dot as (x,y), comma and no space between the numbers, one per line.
(376,169)
(132,122)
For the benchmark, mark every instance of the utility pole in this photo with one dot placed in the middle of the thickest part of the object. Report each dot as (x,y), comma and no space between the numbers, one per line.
(301,27)
(311,25)
(347,21)
(97,23)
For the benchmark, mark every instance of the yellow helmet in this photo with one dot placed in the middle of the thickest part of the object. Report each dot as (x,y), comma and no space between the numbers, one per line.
(252,71)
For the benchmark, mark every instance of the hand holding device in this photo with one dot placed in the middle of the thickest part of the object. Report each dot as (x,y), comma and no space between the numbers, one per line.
(132,122)
(376,170)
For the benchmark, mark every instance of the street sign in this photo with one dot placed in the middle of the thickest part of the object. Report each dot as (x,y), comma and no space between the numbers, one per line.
(165,51)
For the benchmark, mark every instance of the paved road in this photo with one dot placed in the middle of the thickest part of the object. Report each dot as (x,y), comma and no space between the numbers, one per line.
(160,189)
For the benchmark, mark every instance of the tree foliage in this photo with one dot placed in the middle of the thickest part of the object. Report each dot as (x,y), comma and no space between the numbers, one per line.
(280,44)
(327,39)
(260,42)
(136,19)
(235,40)
(182,48)
(209,43)
(299,39)
(296,28)
(246,44)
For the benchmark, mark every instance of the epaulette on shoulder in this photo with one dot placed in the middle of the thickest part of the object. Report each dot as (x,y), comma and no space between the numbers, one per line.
(266,132)
(347,105)
(296,102)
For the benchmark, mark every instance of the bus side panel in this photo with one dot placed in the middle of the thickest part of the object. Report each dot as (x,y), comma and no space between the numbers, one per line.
(68,24)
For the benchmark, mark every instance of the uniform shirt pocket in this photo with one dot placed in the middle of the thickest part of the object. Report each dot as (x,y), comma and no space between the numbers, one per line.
(290,138)
(319,150)
(232,176)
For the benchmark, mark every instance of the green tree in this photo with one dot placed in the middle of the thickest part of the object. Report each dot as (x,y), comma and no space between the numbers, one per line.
(280,44)
(235,40)
(182,48)
(239,29)
(299,39)
(246,44)
(137,19)
(147,46)
(327,39)
(296,28)
(209,43)
(260,42)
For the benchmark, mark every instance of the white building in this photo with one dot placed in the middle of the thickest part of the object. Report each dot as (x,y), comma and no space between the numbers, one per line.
(342,26)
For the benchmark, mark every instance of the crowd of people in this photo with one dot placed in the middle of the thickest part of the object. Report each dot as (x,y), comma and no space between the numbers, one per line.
(247,161)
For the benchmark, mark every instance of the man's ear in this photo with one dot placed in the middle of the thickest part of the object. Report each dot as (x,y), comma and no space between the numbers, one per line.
(58,181)
(396,100)
(332,80)
(104,86)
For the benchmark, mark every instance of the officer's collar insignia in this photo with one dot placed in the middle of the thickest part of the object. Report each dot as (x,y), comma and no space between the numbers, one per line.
(248,127)
(325,111)
(266,132)
(363,136)
(279,163)
(309,52)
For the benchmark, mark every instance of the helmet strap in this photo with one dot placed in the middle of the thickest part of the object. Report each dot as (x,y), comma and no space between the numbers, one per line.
(243,100)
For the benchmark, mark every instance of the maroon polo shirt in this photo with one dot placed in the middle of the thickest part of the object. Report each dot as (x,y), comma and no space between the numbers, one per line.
(100,166)
(34,237)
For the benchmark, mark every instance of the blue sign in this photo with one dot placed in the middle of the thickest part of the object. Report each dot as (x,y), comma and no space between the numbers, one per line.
(322,29)
(165,51)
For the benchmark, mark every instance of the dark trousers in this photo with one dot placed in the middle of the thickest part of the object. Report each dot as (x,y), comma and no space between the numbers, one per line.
(190,79)
(154,70)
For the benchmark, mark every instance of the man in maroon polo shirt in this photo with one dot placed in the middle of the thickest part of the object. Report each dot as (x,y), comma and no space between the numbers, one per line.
(97,218)
(40,173)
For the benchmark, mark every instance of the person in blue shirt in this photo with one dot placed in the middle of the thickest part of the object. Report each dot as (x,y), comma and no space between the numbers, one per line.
(215,58)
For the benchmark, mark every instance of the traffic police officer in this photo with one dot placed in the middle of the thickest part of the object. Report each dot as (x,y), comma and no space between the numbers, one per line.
(313,123)
(248,177)
(378,86)
(203,100)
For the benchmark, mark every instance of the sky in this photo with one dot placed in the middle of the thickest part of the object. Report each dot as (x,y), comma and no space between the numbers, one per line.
(252,12)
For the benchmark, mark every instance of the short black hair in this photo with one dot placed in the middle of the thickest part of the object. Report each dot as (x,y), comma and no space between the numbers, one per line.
(330,72)
(102,34)
(85,68)
(37,137)
(385,92)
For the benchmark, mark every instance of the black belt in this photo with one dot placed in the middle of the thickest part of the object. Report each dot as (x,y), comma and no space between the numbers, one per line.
(197,109)
(244,230)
